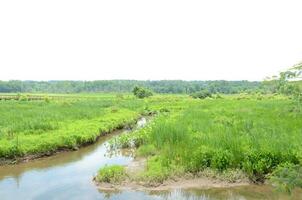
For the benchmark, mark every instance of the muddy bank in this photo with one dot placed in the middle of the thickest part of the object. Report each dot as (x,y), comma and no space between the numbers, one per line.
(186,181)
(179,183)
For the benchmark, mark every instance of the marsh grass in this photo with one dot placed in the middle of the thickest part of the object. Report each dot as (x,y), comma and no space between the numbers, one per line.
(111,174)
(69,121)
(254,135)
(38,127)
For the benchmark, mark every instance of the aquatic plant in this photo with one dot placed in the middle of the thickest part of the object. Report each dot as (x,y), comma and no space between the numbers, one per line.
(111,174)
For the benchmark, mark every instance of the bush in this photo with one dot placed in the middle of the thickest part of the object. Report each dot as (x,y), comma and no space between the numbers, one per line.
(141,93)
(201,94)
(111,174)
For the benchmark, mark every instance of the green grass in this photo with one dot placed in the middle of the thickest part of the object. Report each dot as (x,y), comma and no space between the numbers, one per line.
(35,127)
(69,121)
(254,135)
(111,174)
(287,176)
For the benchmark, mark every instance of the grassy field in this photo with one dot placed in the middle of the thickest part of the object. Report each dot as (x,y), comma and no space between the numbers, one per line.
(43,126)
(253,134)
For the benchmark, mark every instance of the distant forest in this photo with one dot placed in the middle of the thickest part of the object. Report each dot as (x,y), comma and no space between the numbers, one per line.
(163,86)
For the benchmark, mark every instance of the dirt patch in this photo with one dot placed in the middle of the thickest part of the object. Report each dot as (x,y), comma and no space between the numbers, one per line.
(181,183)
(136,166)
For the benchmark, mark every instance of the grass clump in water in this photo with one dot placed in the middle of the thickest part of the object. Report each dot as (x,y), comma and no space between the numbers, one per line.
(111,174)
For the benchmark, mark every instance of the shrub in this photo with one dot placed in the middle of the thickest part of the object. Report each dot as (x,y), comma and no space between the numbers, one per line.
(201,94)
(141,92)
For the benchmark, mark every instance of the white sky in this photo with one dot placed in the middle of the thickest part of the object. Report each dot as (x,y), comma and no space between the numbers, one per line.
(154,39)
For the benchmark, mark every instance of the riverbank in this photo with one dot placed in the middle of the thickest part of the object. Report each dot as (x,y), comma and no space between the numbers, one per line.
(125,122)
(258,138)
(32,157)
(203,180)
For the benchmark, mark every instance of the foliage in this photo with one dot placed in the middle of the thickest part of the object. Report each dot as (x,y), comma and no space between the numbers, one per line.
(111,174)
(69,121)
(287,83)
(201,94)
(254,133)
(287,176)
(163,86)
(141,93)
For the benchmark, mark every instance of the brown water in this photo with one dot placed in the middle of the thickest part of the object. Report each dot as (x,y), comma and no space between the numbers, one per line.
(68,175)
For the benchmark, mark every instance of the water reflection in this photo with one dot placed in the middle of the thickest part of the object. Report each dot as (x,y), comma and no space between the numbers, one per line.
(57,160)
(236,193)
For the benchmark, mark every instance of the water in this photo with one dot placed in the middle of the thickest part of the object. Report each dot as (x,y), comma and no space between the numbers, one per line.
(68,175)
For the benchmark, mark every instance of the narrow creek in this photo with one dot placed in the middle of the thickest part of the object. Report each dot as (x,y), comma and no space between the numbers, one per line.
(68,175)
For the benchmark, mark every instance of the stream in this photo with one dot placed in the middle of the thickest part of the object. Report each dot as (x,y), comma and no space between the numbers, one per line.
(68,175)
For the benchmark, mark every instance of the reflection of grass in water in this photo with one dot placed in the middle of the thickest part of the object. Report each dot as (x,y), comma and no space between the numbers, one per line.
(118,152)
(242,192)
(56,160)
(108,194)
(236,193)
(209,194)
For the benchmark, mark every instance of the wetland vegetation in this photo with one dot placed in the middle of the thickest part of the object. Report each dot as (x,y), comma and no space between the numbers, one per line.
(250,135)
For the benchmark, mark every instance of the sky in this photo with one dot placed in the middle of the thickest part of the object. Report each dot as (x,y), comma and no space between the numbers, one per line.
(148,40)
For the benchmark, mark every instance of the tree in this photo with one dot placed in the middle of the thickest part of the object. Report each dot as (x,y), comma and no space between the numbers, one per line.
(288,84)
(162,86)
(141,92)
(202,94)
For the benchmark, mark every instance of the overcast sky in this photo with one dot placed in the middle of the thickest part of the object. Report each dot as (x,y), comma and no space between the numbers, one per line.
(148,40)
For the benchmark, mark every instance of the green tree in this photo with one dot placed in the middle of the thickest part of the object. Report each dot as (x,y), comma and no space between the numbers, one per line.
(202,94)
(288,83)
(141,92)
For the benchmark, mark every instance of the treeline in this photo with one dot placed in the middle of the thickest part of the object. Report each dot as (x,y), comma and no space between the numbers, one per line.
(163,86)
